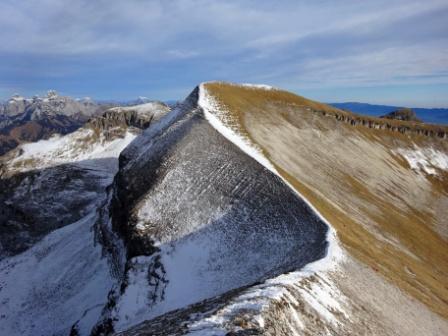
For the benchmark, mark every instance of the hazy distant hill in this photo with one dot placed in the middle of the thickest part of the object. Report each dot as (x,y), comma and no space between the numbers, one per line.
(429,115)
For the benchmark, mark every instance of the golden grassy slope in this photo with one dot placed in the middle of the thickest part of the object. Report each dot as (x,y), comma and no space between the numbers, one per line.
(386,215)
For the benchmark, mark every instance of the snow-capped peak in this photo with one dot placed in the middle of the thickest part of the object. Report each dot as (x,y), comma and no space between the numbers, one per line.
(16,97)
(52,94)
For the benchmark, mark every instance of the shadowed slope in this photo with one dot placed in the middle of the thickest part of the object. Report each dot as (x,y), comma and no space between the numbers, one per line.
(209,218)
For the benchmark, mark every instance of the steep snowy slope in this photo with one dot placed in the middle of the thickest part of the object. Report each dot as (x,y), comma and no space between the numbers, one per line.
(200,218)
(61,282)
(55,274)
(368,287)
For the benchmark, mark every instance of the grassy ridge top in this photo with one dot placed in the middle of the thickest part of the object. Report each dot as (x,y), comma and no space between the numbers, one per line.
(240,97)
(386,214)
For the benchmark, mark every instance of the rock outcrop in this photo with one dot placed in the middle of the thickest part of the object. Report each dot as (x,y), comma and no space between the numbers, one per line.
(406,114)
(29,212)
(402,126)
(139,116)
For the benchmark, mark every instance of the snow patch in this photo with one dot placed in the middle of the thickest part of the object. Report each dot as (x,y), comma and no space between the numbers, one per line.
(132,307)
(60,281)
(16,98)
(155,108)
(425,159)
(324,298)
(246,85)
(259,86)
(74,147)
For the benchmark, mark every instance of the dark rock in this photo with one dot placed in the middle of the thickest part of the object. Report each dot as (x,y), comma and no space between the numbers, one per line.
(402,114)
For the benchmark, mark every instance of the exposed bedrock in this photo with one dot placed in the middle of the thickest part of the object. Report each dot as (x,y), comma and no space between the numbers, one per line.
(36,202)
(212,218)
(140,117)
(376,123)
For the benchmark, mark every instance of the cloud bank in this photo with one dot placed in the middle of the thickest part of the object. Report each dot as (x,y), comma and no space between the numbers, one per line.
(122,48)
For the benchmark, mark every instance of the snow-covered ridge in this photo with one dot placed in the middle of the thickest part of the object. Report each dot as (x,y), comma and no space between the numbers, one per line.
(217,118)
(75,147)
(274,288)
(321,295)
(16,98)
(156,108)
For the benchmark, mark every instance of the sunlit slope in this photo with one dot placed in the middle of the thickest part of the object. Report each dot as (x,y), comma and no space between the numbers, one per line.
(383,184)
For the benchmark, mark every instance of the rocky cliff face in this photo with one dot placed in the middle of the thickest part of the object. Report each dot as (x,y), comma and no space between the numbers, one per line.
(53,104)
(139,116)
(404,126)
(31,207)
(35,202)
(55,271)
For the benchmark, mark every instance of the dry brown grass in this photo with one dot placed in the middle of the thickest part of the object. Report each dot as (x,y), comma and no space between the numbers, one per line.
(238,98)
(361,211)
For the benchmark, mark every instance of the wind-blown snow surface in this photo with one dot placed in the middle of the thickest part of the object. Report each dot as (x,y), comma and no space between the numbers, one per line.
(156,109)
(78,146)
(321,298)
(427,160)
(64,279)
(253,303)
(216,117)
(219,218)
(61,280)
(258,86)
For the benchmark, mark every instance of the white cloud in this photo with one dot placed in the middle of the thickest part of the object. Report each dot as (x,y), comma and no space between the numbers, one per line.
(306,43)
(70,27)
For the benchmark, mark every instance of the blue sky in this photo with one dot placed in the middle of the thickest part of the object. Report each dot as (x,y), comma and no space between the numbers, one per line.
(389,52)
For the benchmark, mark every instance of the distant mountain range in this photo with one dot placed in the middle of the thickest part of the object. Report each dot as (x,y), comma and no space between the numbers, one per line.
(428,115)
(32,119)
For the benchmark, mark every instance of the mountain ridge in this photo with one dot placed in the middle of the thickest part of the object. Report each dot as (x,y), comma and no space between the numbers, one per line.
(241,109)
(31,119)
(224,92)
(218,219)
(429,115)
